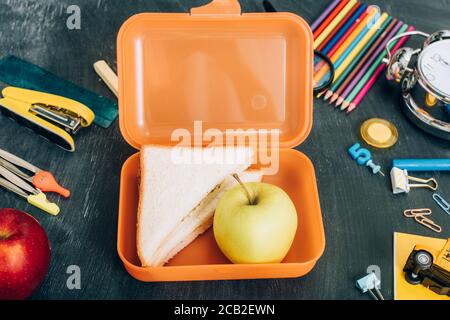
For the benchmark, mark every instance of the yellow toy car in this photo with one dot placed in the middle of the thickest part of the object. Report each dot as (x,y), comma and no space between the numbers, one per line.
(430,267)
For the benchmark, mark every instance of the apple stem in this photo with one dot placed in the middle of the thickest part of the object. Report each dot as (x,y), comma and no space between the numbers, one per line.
(250,198)
(4,235)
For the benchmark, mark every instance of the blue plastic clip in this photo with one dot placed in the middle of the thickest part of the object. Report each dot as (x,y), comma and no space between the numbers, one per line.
(369,284)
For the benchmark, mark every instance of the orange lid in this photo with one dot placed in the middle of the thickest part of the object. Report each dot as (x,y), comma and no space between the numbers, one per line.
(250,71)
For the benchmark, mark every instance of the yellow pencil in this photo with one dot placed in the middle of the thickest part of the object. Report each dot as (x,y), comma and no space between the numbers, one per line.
(373,10)
(334,23)
(360,45)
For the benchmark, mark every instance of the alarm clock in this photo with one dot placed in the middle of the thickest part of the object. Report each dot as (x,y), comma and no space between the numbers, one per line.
(424,76)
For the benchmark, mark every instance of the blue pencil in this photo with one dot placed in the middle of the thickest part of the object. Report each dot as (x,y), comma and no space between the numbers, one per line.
(355,43)
(344,29)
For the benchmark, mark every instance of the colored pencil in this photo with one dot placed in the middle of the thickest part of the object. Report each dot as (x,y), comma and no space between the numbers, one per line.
(345,90)
(361,29)
(354,36)
(330,18)
(351,53)
(348,33)
(328,95)
(368,75)
(342,31)
(360,41)
(324,15)
(368,64)
(333,24)
(348,80)
(342,82)
(354,104)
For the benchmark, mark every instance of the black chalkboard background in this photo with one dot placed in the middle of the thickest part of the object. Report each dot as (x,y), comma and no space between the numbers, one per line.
(359,211)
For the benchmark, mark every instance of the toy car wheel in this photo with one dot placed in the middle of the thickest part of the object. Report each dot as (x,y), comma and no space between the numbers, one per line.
(423,260)
(413,279)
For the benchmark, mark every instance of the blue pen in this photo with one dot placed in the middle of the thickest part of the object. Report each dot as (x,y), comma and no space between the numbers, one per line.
(344,29)
(422,164)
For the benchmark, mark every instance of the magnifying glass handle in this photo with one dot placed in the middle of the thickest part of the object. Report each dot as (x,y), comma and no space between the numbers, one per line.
(269,6)
(331,71)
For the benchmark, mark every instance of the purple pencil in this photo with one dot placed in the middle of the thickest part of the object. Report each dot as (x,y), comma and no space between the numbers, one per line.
(324,15)
(369,63)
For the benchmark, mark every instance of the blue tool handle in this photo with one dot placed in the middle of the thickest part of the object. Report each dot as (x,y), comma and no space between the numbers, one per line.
(422,164)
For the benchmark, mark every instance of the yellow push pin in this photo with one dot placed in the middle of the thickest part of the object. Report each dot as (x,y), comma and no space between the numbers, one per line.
(379,133)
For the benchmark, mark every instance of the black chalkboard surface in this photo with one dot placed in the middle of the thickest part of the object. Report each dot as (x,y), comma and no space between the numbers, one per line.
(359,211)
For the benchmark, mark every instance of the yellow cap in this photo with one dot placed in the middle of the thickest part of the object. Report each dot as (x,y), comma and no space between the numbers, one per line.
(379,133)
(40,201)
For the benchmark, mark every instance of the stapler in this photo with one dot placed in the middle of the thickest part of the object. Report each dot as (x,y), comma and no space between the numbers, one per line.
(53,117)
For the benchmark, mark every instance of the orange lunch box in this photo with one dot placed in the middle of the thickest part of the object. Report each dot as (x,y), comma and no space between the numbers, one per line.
(230,70)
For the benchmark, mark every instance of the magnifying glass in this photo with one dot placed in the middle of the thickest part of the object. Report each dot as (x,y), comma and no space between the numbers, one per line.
(323,67)
(323,72)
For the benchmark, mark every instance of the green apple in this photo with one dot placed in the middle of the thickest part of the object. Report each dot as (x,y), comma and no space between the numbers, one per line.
(255,223)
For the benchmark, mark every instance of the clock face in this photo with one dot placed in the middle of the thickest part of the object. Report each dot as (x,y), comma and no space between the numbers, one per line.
(434,66)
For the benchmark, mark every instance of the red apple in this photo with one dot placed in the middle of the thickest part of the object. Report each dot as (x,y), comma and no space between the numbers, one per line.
(24,254)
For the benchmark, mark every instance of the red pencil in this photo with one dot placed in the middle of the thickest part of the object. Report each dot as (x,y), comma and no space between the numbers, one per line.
(338,27)
(348,33)
(330,18)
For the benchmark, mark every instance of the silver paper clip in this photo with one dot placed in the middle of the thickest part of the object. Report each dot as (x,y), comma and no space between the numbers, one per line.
(401,182)
(442,203)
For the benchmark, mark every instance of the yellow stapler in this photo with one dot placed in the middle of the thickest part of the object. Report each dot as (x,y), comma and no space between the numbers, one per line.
(51,116)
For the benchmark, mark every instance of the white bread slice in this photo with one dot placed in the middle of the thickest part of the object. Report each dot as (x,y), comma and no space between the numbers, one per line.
(200,219)
(172,187)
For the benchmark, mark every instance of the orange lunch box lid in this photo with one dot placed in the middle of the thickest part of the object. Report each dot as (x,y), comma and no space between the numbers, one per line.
(227,69)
